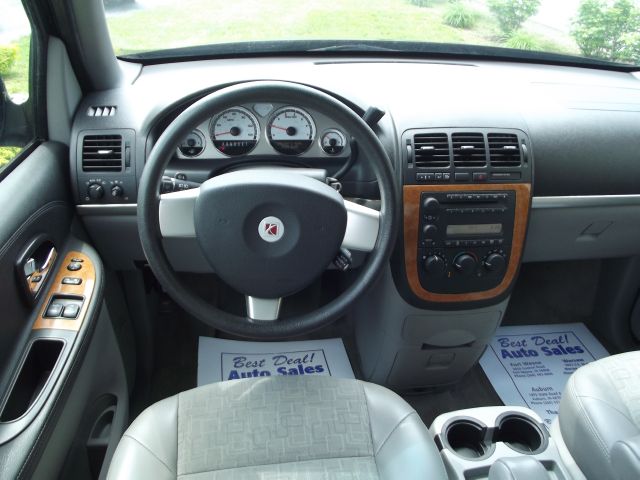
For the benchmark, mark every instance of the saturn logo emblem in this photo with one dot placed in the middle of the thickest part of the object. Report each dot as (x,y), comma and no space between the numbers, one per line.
(271,229)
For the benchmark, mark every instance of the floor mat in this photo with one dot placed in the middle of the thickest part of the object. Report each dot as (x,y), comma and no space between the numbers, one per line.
(220,359)
(529,365)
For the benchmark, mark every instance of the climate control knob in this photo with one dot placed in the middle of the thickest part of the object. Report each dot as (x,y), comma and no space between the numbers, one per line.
(431,205)
(495,263)
(465,263)
(117,191)
(429,231)
(434,265)
(95,191)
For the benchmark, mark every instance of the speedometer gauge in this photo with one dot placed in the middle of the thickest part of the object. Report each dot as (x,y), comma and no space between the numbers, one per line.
(291,131)
(235,131)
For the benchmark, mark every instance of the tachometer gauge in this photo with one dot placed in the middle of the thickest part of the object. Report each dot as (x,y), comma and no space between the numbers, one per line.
(235,131)
(291,131)
(333,141)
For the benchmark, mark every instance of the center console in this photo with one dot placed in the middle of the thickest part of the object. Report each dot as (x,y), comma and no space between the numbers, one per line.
(466,200)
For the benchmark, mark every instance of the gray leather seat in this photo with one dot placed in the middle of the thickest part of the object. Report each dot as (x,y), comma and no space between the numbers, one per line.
(600,417)
(279,428)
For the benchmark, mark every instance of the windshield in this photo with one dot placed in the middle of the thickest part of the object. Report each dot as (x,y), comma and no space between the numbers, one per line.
(599,29)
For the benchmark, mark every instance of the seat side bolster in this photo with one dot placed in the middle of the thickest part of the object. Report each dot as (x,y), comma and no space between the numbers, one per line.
(402,445)
(149,447)
(625,455)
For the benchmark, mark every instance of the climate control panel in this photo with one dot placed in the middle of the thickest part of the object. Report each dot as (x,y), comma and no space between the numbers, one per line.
(464,240)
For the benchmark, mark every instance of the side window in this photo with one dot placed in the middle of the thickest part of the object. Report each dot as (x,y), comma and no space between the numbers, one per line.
(16,120)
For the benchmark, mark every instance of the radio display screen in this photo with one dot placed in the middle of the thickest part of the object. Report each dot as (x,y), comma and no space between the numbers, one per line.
(478,229)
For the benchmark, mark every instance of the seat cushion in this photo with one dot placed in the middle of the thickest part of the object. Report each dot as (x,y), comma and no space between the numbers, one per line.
(313,427)
(601,406)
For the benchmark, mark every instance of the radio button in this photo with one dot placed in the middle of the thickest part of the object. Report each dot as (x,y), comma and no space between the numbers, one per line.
(431,204)
(429,231)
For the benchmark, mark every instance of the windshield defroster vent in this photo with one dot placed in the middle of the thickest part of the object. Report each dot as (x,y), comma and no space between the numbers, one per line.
(504,150)
(102,153)
(469,150)
(431,150)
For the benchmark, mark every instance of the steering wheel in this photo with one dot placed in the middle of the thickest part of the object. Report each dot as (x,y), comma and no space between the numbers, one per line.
(266,233)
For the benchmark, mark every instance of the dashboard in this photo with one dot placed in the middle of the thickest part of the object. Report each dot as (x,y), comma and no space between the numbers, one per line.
(540,158)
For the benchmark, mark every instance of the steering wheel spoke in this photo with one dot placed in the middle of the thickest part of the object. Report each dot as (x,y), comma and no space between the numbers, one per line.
(363,224)
(176,214)
(266,309)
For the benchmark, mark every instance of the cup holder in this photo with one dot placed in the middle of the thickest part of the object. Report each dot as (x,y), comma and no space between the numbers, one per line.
(471,440)
(467,438)
(521,434)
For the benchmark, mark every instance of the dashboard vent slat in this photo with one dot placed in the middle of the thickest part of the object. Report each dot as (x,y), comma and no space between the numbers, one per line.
(102,111)
(469,150)
(504,150)
(102,153)
(431,150)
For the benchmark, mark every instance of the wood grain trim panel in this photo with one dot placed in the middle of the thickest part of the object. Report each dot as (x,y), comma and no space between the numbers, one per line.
(88,275)
(411,197)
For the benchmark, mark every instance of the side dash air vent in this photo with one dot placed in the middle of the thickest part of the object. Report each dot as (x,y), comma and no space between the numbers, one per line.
(504,150)
(469,150)
(102,111)
(102,153)
(431,150)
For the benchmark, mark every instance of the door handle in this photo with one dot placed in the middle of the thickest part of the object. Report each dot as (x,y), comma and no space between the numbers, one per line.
(34,265)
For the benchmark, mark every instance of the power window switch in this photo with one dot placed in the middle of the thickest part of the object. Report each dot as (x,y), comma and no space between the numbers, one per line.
(54,310)
(71,281)
(71,310)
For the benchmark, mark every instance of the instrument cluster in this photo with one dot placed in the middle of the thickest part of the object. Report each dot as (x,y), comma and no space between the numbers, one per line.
(265,129)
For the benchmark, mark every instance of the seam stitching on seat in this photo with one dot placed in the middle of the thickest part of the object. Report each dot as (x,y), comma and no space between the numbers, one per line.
(373,452)
(277,463)
(413,412)
(590,425)
(150,451)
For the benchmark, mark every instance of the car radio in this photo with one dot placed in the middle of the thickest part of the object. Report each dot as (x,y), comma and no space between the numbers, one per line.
(464,240)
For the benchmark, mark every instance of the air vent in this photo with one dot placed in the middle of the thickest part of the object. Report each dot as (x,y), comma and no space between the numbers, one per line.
(468,150)
(504,150)
(102,111)
(102,153)
(431,150)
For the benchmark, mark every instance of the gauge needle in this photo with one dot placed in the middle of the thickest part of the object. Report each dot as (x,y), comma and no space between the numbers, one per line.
(223,133)
(279,128)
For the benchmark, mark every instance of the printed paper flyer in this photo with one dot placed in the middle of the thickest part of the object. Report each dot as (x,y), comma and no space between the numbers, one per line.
(220,360)
(529,365)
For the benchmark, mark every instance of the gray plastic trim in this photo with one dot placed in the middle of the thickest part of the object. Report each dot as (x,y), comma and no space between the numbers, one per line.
(585,201)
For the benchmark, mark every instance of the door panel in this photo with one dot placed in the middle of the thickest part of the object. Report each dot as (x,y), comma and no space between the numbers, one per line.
(54,372)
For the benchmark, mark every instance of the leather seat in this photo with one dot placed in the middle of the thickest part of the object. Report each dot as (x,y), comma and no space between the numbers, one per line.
(599,417)
(279,428)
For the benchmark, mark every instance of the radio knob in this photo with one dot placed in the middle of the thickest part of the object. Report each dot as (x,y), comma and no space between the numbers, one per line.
(495,263)
(431,205)
(465,263)
(95,191)
(429,231)
(434,265)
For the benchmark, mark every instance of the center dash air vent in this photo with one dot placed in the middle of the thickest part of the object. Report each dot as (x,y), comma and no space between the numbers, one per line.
(431,150)
(102,153)
(469,150)
(504,150)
